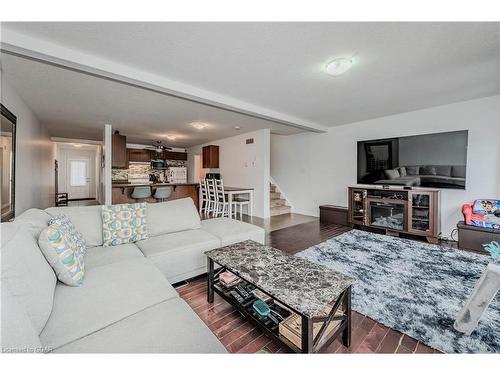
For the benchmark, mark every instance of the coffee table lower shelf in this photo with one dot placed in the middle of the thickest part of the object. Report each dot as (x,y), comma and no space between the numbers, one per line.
(316,331)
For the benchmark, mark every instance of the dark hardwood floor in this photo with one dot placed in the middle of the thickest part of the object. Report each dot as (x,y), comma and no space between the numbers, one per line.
(239,336)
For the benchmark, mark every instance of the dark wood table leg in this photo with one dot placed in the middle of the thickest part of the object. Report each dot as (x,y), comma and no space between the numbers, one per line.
(307,335)
(346,335)
(210,280)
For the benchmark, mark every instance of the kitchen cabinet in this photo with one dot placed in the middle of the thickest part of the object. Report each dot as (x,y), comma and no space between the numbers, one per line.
(119,151)
(170,155)
(210,156)
(142,155)
(139,155)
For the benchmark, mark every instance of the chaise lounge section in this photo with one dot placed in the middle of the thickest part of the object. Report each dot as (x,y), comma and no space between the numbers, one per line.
(127,303)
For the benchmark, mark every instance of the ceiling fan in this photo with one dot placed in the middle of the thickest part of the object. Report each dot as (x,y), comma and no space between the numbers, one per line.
(158,147)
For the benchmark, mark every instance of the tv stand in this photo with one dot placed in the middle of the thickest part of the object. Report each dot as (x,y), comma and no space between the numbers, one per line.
(396,210)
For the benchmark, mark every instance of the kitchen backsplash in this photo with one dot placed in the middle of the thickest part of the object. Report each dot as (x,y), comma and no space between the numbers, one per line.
(138,170)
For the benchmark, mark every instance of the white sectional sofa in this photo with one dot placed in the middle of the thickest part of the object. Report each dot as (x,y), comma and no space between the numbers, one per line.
(126,303)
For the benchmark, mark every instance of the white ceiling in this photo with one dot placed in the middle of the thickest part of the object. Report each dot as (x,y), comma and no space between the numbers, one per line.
(399,67)
(76,105)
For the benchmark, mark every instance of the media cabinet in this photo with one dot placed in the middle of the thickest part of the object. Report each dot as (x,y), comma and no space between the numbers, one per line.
(396,210)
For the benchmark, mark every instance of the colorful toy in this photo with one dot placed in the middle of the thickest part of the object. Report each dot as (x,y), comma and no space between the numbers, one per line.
(493,248)
(483,213)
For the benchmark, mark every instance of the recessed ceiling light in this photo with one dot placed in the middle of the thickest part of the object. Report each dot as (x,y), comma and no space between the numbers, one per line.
(199,125)
(237,127)
(339,66)
(171,137)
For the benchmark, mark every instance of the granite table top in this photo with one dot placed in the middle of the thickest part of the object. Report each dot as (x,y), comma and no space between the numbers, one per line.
(304,286)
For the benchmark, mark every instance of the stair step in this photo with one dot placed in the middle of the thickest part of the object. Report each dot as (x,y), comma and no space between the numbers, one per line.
(272,189)
(277,202)
(280,210)
(275,195)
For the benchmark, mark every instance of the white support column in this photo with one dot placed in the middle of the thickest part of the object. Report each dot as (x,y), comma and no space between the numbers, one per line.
(107,152)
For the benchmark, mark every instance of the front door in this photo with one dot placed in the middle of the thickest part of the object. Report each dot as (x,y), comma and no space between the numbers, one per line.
(78,178)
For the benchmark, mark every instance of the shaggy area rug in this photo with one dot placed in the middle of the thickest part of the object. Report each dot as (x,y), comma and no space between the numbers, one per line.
(413,287)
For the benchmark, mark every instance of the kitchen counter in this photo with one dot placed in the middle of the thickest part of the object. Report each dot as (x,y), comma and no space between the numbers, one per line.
(153,184)
(122,191)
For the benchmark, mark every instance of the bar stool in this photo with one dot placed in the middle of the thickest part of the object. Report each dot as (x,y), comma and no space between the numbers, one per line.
(163,193)
(140,193)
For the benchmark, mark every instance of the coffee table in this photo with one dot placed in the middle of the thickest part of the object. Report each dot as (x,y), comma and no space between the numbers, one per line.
(301,286)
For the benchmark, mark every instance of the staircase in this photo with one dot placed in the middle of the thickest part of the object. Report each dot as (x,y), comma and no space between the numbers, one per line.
(278,205)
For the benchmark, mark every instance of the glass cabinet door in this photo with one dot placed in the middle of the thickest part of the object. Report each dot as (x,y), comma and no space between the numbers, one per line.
(419,220)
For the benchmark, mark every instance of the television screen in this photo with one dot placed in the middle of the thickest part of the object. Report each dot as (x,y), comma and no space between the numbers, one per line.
(431,160)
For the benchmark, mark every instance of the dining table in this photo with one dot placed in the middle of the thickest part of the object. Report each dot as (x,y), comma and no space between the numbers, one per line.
(231,192)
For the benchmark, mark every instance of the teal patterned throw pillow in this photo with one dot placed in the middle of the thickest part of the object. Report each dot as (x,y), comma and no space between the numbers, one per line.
(63,247)
(124,223)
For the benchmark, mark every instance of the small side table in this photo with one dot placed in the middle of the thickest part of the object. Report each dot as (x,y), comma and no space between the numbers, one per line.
(473,238)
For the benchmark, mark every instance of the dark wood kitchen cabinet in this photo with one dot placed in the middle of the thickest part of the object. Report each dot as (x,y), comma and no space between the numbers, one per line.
(171,155)
(143,155)
(210,156)
(119,157)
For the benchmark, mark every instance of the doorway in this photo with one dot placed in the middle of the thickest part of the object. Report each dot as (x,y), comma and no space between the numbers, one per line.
(77,175)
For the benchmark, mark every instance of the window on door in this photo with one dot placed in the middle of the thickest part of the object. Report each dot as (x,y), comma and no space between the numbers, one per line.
(78,171)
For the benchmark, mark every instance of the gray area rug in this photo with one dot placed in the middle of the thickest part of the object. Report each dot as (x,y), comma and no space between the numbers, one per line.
(413,287)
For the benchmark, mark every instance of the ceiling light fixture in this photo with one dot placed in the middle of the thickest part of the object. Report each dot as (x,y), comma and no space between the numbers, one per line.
(339,66)
(237,127)
(171,137)
(199,125)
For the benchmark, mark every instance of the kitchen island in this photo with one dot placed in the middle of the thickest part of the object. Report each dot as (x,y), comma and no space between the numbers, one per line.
(122,191)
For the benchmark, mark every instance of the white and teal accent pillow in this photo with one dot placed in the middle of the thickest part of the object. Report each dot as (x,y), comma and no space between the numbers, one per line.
(74,235)
(64,248)
(124,223)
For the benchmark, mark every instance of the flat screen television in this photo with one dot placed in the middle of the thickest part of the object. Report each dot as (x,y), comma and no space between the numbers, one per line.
(435,160)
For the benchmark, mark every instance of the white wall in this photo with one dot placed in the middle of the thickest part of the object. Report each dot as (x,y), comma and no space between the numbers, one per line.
(315,169)
(242,165)
(34,155)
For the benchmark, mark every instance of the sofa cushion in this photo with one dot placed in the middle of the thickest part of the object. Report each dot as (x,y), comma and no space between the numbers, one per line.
(87,219)
(18,333)
(63,254)
(402,171)
(103,255)
(124,223)
(412,171)
(35,219)
(169,327)
(427,171)
(173,216)
(458,171)
(392,174)
(30,278)
(179,254)
(443,170)
(110,293)
(230,231)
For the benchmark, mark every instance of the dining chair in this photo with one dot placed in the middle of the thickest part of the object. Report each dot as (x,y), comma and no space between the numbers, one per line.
(238,204)
(204,197)
(212,197)
(222,205)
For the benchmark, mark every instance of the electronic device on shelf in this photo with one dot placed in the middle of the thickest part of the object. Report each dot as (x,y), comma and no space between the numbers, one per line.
(236,296)
(273,318)
(242,291)
(261,308)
